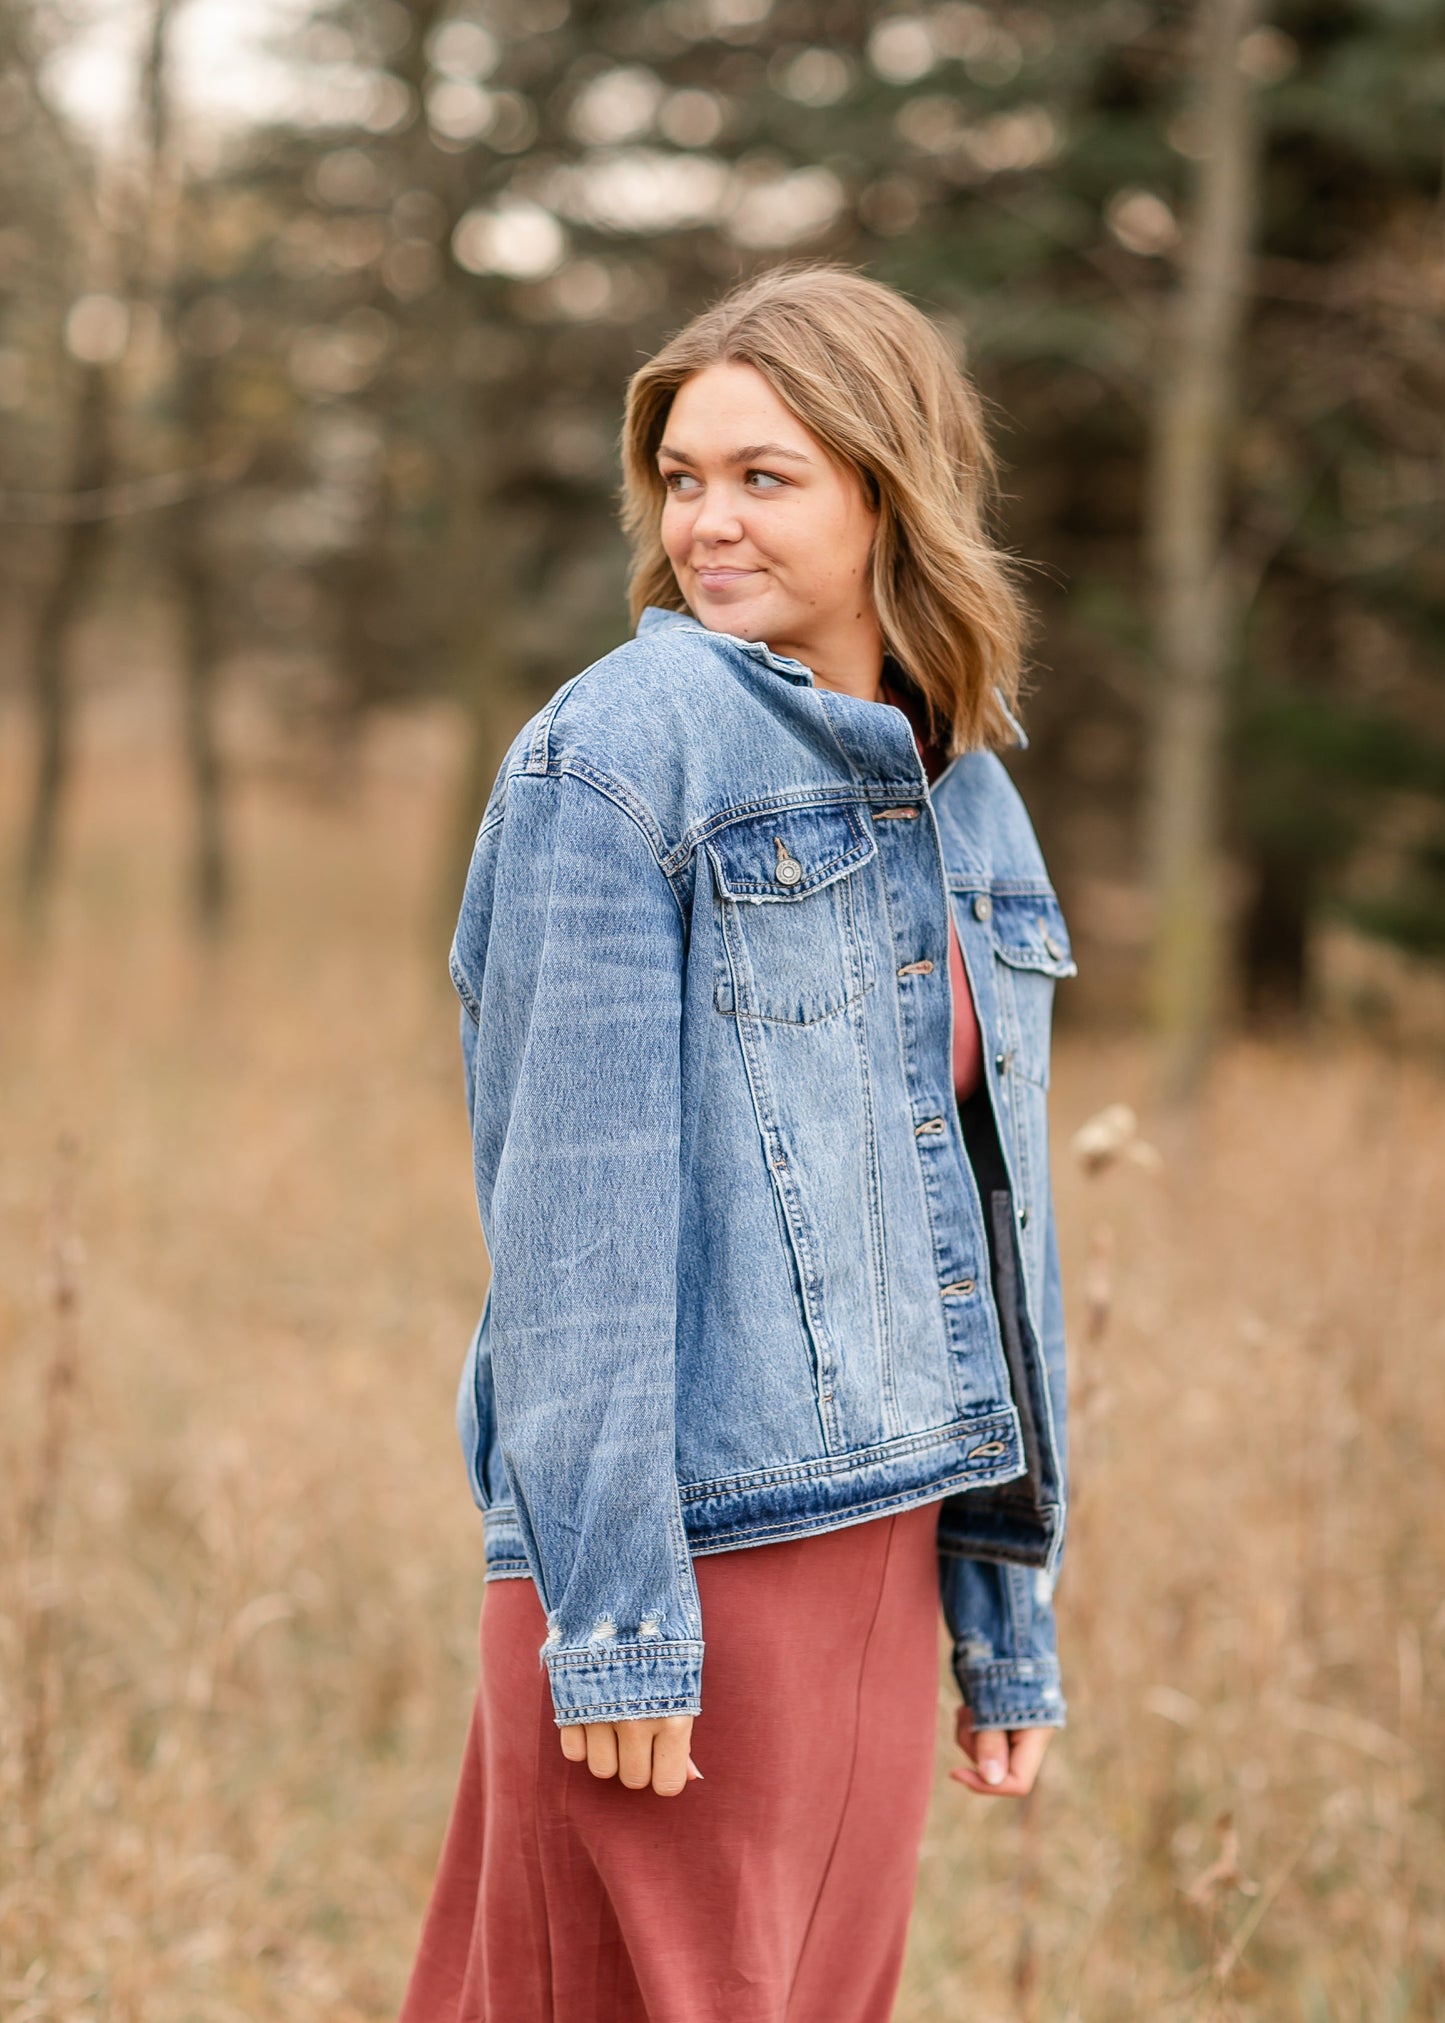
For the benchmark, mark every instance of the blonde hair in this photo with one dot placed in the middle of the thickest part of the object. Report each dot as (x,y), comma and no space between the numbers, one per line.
(875,383)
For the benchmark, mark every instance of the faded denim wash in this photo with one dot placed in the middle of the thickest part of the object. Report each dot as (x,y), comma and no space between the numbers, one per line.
(755,1273)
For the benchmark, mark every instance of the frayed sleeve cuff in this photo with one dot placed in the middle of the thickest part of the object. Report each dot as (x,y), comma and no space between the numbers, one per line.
(1022,1694)
(625,1681)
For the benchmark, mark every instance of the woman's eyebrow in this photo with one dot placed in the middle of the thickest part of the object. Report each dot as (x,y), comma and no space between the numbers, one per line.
(742,456)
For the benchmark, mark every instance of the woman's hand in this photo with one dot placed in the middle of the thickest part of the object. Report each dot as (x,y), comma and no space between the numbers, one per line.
(641,1753)
(1002,1763)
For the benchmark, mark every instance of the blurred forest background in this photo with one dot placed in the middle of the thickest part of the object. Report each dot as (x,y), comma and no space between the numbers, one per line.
(315,317)
(332,386)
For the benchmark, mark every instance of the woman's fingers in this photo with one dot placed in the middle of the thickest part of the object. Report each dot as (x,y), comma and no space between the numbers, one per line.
(1027,1754)
(991,1755)
(1001,1763)
(643,1755)
(670,1760)
(602,1748)
(634,1753)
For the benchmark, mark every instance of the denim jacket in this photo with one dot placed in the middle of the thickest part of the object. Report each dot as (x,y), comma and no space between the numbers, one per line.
(755,1272)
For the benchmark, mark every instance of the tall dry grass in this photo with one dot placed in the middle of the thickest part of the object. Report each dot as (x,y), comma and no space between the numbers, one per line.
(239,1573)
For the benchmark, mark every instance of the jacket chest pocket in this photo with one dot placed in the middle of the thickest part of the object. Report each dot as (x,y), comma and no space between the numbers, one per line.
(1031,950)
(793,942)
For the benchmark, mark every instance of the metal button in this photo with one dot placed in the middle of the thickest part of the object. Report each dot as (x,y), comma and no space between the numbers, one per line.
(1024,1216)
(1054,947)
(787,870)
(1003,1062)
(983,907)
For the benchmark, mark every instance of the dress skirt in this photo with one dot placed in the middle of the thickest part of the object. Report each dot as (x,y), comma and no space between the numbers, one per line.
(775,1890)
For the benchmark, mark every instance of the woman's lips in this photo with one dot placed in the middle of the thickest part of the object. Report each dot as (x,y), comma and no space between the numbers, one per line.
(723,579)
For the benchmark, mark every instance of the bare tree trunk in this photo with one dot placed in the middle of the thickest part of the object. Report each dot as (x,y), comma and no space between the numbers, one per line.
(193,576)
(1196,608)
(188,524)
(82,536)
(79,544)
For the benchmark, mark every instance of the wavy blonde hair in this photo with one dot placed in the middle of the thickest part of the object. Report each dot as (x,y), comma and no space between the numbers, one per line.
(875,383)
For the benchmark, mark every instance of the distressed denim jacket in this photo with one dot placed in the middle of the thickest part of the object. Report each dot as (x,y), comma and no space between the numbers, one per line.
(755,1272)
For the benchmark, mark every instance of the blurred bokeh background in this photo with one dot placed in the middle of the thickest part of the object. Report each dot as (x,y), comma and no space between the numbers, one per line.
(315,317)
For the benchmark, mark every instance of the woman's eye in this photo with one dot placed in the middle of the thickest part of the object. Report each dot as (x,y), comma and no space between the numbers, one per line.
(766,479)
(674,481)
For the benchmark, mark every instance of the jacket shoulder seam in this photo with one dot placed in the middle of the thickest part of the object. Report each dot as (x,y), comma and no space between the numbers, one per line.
(628,803)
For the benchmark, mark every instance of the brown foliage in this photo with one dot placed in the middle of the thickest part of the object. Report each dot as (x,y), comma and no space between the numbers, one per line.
(266,1570)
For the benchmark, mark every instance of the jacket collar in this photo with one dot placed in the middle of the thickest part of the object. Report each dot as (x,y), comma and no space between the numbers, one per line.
(655,617)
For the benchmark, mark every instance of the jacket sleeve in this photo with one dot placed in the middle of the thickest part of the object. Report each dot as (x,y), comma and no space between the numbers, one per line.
(569,961)
(1001,1615)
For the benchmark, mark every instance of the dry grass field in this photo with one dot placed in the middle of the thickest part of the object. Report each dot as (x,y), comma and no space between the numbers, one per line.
(239,1573)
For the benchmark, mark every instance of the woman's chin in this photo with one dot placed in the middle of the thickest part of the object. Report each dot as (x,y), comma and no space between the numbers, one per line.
(743,611)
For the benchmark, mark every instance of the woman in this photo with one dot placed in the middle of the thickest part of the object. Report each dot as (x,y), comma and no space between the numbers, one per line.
(755,959)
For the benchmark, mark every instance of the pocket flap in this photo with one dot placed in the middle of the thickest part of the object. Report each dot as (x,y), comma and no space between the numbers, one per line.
(1029,933)
(789,852)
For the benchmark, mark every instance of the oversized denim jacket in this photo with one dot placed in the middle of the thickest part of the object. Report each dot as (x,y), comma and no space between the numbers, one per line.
(755,1273)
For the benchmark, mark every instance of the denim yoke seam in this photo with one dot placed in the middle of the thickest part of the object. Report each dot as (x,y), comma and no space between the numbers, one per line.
(637,812)
(701,833)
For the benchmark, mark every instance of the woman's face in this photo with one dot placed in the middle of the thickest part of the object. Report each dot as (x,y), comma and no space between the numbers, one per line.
(769,538)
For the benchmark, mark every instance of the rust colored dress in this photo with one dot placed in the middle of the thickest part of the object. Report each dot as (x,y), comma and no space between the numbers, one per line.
(776,1890)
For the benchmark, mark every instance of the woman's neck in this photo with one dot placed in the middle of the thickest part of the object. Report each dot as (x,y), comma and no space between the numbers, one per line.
(850,662)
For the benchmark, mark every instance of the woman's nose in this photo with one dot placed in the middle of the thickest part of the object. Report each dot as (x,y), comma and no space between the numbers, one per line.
(717,518)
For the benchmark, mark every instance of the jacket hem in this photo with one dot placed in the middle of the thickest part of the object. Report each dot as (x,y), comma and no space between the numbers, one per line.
(791,1502)
(774,1505)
